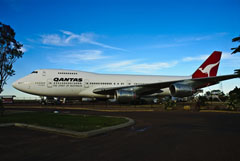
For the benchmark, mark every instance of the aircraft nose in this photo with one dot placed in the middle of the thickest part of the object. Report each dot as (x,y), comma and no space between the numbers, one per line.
(15,84)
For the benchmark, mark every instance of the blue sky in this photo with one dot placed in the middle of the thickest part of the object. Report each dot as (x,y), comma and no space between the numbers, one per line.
(126,37)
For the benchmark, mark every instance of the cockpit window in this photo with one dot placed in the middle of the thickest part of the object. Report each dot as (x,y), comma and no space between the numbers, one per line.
(35,72)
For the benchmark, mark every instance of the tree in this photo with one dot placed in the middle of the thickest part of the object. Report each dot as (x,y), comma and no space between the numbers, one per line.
(234,98)
(237,49)
(10,51)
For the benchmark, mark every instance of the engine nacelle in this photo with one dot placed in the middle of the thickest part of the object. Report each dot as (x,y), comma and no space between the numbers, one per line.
(181,90)
(125,96)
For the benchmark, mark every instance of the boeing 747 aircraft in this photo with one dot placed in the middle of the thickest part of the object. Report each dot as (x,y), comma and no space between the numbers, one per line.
(124,88)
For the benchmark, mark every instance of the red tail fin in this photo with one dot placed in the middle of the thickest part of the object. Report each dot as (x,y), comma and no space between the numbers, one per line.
(210,67)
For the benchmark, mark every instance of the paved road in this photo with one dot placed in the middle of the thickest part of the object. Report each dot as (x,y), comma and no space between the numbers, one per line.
(163,136)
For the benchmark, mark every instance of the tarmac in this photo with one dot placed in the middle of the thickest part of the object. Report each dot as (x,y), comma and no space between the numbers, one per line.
(157,135)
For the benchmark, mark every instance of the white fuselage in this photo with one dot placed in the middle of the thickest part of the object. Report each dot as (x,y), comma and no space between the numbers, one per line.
(71,83)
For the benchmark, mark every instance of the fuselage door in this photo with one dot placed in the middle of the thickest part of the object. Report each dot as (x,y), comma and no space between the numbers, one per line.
(49,83)
(44,73)
(86,83)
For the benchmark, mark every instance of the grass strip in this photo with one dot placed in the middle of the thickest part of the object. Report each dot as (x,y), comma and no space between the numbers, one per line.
(80,123)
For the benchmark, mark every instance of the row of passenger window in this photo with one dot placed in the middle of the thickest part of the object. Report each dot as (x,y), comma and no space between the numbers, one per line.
(67,73)
(40,83)
(67,83)
(102,83)
(91,83)
(105,83)
(139,83)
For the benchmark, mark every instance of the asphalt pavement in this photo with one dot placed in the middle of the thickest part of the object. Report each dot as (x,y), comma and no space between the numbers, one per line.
(158,135)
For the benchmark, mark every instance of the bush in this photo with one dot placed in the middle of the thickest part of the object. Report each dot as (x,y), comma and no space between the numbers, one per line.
(234,99)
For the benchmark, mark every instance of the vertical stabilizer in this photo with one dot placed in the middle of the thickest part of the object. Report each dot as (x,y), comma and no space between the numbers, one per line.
(210,67)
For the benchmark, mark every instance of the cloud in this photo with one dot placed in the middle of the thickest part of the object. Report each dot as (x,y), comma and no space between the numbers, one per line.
(200,37)
(134,66)
(98,62)
(231,60)
(23,49)
(53,39)
(120,64)
(201,57)
(229,56)
(86,55)
(77,56)
(152,66)
(170,45)
(173,41)
(225,56)
(193,38)
(68,38)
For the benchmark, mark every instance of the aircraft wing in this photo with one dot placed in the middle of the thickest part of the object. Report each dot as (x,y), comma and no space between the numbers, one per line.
(203,82)
(151,88)
(144,88)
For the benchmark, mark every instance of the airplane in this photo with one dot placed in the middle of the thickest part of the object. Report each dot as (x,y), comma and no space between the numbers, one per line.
(121,87)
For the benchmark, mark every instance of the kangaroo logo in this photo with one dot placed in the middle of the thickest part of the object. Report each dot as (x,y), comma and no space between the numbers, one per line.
(208,68)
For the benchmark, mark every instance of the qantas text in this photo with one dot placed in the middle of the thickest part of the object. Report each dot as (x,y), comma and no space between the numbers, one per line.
(67,79)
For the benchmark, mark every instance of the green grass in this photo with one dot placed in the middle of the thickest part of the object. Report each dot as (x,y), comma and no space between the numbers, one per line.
(79,123)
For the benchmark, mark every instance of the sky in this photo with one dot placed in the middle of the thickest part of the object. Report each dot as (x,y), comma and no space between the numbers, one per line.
(161,37)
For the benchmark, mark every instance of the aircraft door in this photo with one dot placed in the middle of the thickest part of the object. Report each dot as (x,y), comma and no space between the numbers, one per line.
(49,83)
(44,73)
(86,83)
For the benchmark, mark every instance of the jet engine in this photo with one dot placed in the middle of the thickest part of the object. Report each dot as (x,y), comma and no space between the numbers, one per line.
(125,96)
(181,90)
